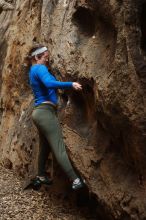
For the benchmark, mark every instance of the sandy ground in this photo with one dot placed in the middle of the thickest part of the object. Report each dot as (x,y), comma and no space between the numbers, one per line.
(15,203)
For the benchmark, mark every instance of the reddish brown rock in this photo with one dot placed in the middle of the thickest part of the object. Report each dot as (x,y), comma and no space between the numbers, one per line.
(102,45)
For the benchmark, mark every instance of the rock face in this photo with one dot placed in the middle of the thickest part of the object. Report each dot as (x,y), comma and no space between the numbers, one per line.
(101,44)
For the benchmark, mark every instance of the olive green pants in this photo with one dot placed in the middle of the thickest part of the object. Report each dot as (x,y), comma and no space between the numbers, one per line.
(51,140)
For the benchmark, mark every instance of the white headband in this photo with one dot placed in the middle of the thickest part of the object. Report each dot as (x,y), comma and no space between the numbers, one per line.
(39,51)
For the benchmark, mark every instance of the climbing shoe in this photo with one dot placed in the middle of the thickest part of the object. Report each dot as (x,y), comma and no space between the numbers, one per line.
(45,180)
(36,183)
(78,183)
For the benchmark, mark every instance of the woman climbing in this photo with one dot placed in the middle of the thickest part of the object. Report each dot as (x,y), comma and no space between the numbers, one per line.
(44,86)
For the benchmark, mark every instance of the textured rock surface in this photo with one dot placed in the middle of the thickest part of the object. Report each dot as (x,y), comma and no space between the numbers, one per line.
(102,45)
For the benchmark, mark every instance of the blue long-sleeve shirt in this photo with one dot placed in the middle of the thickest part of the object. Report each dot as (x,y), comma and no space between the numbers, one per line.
(44,84)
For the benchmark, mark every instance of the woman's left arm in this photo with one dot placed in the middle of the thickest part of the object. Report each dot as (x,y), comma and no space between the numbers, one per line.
(45,77)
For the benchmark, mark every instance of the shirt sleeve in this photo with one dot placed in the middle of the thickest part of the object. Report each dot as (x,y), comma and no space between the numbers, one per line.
(45,77)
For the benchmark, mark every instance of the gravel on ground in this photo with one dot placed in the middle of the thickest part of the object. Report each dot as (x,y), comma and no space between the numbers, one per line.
(16,203)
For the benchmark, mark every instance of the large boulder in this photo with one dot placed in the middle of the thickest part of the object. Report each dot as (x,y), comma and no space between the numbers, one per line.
(101,44)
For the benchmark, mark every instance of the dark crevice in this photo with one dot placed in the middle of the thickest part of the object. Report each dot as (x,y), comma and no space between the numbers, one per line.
(83,103)
(85,19)
(3,51)
(64,97)
(87,200)
(143,27)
